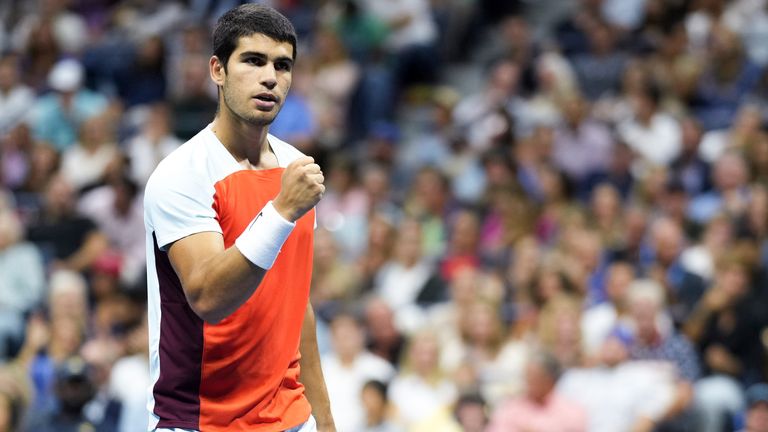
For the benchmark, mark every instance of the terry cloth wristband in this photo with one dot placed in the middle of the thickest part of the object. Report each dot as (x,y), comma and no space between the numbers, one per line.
(261,241)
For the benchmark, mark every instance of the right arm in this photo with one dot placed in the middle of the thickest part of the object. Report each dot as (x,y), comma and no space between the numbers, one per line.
(216,281)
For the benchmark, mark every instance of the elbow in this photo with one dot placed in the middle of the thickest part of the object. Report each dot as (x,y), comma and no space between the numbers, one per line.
(203,306)
(206,313)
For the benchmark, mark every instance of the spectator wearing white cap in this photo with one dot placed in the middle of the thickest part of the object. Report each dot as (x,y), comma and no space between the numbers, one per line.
(57,116)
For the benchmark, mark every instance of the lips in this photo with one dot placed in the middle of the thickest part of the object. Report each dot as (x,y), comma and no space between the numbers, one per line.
(265,101)
(266,97)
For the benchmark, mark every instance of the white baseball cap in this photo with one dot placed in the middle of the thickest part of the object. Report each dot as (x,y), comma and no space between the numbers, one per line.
(66,75)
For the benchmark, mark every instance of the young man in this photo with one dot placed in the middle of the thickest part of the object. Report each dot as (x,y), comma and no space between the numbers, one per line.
(229,219)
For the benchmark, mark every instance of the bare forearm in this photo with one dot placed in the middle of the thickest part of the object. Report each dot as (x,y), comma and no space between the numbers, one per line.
(95,244)
(312,374)
(226,282)
(216,281)
(697,321)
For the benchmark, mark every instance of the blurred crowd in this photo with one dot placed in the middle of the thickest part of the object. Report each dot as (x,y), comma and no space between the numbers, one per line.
(545,216)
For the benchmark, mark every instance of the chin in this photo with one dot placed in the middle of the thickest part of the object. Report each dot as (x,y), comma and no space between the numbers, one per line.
(260,121)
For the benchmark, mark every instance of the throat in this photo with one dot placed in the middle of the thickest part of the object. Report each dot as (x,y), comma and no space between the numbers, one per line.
(266,159)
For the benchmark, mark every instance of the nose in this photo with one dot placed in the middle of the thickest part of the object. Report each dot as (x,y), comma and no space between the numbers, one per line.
(269,76)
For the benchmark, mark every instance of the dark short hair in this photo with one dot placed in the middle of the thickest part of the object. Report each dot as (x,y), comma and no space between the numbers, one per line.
(246,20)
(379,387)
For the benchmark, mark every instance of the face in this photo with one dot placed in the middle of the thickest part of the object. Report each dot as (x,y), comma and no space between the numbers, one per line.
(644,314)
(619,278)
(538,382)
(424,354)
(347,336)
(372,400)
(256,81)
(757,418)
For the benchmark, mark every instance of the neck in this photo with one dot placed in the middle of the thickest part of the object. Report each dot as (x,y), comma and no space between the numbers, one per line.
(347,359)
(375,418)
(243,140)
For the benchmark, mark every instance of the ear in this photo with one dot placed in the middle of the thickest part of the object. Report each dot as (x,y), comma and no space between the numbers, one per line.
(216,69)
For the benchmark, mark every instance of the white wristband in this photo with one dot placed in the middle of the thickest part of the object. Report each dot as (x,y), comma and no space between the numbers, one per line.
(262,239)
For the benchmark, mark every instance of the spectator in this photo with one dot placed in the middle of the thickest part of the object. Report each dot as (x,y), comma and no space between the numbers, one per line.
(66,239)
(347,369)
(377,408)
(409,280)
(740,136)
(582,146)
(462,249)
(756,416)
(129,379)
(558,330)
(117,209)
(540,408)
(730,193)
(623,395)
(345,207)
(58,116)
(724,85)
(16,154)
(383,338)
(649,335)
(599,71)
(334,78)
(74,389)
(485,115)
(68,28)
(411,39)
(471,413)
(84,164)
(153,142)
(651,133)
(142,81)
(22,281)
(194,104)
(689,168)
(725,326)
(16,99)
(598,321)
(333,279)
(378,250)
(420,391)
(14,397)
(483,347)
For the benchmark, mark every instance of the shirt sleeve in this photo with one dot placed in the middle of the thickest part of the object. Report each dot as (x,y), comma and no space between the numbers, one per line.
(177,206)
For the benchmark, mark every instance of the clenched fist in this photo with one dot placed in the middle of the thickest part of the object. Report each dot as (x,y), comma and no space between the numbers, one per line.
(302,187)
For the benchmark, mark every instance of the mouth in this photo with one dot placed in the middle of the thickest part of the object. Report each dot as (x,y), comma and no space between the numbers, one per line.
(265,101)
(266,97)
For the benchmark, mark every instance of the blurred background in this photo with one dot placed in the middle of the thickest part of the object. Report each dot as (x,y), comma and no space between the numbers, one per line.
(541,215)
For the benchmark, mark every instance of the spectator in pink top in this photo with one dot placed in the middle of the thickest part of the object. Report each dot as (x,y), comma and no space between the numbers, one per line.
(539,408)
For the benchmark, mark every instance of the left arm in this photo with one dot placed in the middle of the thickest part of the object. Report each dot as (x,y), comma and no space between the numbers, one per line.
(312,375)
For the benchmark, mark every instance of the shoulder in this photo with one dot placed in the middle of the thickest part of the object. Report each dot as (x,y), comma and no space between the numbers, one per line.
(184,172)
(183,165)
(285,152)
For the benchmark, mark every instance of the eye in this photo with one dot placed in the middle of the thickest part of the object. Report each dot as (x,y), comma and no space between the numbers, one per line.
(255,61)
(283,66)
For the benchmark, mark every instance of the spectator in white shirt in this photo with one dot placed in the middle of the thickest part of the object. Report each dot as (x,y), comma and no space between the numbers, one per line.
(651,133)
(347,368)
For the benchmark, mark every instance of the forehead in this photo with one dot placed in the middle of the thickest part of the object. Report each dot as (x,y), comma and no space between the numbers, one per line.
(263,44)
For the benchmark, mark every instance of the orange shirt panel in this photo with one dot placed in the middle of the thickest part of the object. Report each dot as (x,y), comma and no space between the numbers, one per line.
(250,366)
